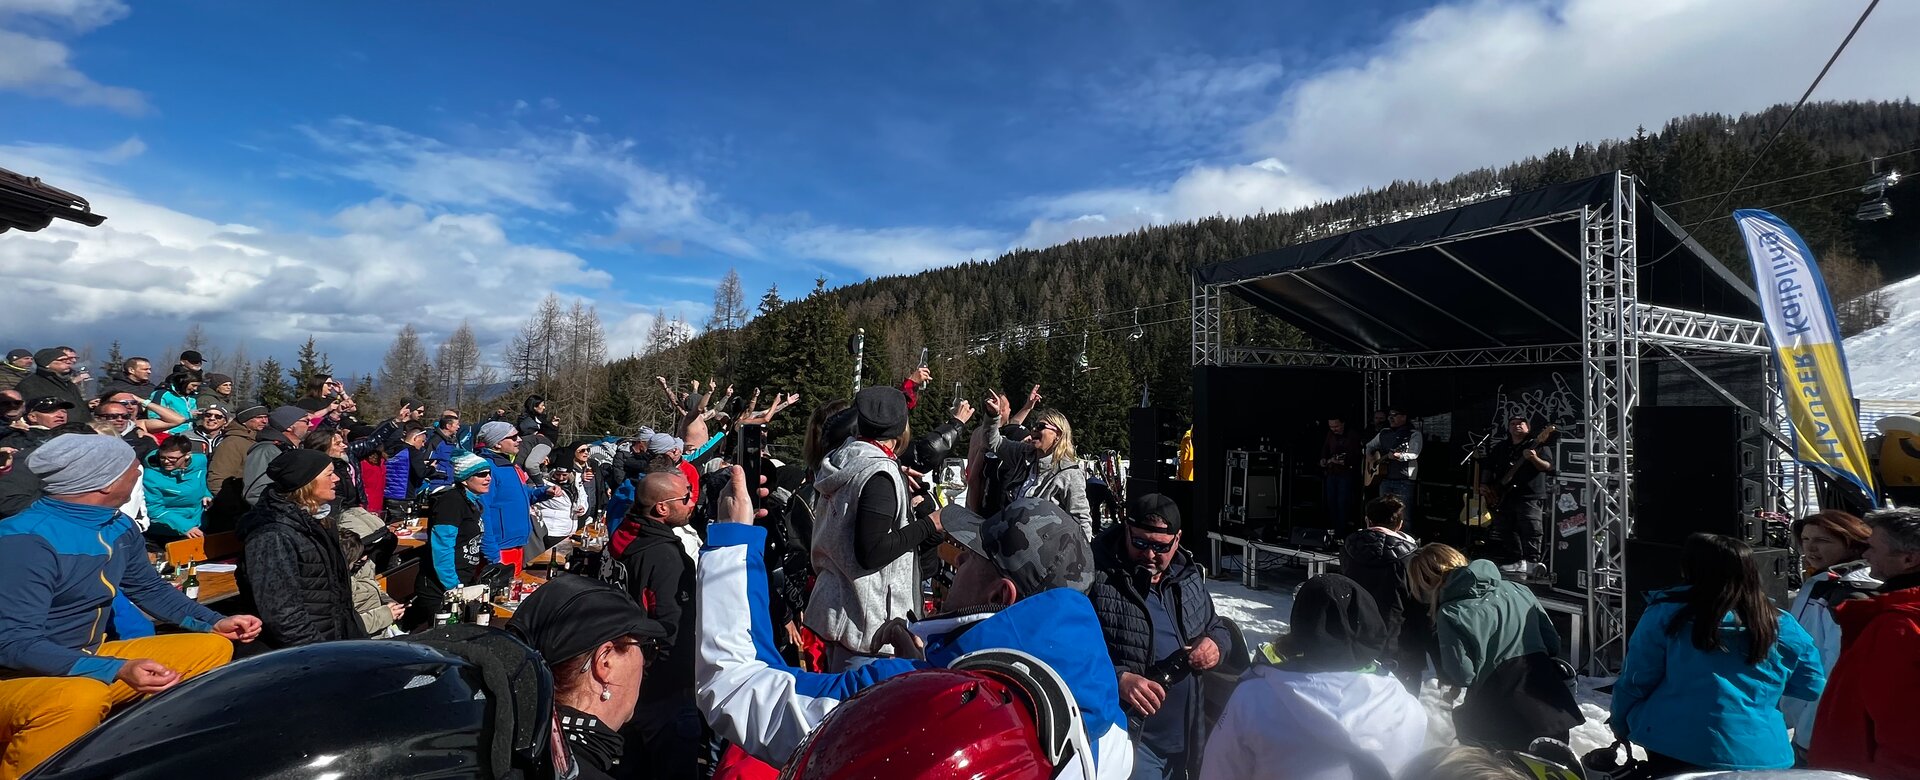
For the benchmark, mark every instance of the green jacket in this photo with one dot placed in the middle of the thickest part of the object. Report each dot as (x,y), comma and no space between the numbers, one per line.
(1484,621)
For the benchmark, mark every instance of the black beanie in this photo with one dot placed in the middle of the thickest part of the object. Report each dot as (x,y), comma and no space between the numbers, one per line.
(1336,627)
(882,412)
(293,469)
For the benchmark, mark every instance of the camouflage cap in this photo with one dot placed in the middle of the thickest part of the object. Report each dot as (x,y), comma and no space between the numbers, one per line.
(1033,542)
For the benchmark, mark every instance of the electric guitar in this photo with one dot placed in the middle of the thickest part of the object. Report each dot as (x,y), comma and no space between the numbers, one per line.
(1497,492)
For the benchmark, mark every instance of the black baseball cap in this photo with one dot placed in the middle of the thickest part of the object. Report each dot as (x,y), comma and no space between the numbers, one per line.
(1153,512)
(191,356)
(572,614)
(48,404)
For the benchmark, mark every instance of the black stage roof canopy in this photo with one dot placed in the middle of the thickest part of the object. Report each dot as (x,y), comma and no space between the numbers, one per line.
(1503,272)
(28,204)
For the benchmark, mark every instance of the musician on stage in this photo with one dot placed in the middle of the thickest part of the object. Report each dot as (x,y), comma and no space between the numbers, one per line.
(1519,501)
(1339,462)
(1397,450)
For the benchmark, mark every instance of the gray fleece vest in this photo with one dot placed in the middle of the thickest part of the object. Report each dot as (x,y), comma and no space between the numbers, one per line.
(849,603)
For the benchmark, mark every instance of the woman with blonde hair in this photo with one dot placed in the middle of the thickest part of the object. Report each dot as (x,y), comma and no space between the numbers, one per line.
(291,564)
(1045,461)
(1494,640)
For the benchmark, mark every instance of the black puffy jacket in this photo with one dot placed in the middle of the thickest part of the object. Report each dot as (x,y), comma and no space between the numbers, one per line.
(1120,599)
(292,568)
(1378,561)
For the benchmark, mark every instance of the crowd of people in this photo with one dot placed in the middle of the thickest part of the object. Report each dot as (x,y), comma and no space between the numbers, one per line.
(725,612)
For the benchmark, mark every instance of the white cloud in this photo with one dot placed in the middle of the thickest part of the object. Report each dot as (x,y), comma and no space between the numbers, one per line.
(149,270)
(1479,83)
(1203,191)
(1485,82)
(32,62)
(1191,100)
(39,67)
(897,250)
(539,171)
(77,15)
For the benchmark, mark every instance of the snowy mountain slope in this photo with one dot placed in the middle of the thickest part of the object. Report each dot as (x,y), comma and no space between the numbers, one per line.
(1885,362)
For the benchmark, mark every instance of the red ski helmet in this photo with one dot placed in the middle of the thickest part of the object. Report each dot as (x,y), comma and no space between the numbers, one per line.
(998,714)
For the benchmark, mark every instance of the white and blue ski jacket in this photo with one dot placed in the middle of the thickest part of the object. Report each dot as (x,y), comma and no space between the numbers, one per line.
(751,697)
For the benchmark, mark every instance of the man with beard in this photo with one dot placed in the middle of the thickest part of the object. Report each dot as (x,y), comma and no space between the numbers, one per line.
(1160,629)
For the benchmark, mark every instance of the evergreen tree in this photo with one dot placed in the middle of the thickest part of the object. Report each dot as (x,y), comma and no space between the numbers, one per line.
(274,392)
(310,367)
(363,395)
(112,367)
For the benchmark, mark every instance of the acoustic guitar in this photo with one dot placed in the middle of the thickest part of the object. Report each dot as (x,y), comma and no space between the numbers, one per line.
(1475,512)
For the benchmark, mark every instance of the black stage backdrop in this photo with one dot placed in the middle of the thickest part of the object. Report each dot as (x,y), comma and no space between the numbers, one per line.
(1286,409)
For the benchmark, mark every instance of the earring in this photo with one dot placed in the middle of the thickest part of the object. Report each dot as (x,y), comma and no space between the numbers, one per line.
(606,694)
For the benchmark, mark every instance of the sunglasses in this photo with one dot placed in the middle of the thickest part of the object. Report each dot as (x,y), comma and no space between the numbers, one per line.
(121,417)
(214,416)
(686,499)
(1161,548)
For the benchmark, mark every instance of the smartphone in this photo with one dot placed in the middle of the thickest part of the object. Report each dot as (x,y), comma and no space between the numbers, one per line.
(923,357)
(750,453)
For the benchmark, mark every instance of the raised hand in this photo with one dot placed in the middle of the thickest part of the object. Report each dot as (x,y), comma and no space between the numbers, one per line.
(996,404)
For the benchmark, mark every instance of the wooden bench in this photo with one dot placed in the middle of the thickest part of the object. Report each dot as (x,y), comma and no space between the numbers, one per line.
(401,581)
(206,548)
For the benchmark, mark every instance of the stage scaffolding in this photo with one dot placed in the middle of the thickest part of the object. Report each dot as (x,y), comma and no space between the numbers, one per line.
(1617,331)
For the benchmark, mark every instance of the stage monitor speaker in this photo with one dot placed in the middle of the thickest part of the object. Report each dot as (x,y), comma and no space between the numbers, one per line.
(1654,566)
(1153,443)
(1697,469)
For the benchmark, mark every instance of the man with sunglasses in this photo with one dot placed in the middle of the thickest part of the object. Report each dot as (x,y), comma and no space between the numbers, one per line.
(209,427)
(666,725)
(506,511)
(1160,629)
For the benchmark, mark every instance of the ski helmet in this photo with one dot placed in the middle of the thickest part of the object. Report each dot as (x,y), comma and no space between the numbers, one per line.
(997,713)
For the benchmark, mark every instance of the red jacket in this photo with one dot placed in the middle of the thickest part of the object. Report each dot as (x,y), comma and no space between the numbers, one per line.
(1868,722)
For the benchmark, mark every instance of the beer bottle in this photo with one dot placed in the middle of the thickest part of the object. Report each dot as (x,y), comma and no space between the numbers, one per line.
(193,582)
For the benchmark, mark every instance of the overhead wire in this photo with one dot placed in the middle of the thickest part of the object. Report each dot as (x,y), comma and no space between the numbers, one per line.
(1784,122)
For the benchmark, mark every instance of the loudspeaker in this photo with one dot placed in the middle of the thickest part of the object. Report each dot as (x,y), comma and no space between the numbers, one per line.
(1697,469)
(1655,566)
(1152,441)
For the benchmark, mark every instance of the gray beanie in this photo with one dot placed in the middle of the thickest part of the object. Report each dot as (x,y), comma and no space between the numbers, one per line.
(79,463)
(661,443)
(497,431)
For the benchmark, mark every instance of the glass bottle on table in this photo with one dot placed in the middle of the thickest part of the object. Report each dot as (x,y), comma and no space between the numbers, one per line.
(192,586)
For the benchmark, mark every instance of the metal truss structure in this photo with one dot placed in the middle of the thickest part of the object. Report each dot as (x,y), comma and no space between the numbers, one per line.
(1617,331)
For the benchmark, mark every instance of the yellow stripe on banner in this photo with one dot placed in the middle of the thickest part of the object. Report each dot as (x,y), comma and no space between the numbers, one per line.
(1821,406)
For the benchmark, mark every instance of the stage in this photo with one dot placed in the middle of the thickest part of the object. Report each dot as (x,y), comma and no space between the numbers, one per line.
(1580,304)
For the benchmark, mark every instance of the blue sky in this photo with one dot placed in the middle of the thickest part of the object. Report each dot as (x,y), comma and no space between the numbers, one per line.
(278,169)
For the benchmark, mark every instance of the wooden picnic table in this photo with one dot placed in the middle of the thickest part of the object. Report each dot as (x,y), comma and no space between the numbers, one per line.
(216,587)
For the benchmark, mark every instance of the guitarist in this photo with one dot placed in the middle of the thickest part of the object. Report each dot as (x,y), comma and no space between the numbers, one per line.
(1397,450)
(1339,464)
(1519,516)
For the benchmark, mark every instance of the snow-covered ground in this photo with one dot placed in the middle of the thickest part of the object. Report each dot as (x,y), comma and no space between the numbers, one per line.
(1881,361)
(1262,615)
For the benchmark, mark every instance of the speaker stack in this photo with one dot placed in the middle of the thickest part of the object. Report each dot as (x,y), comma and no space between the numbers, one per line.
(1697,469)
